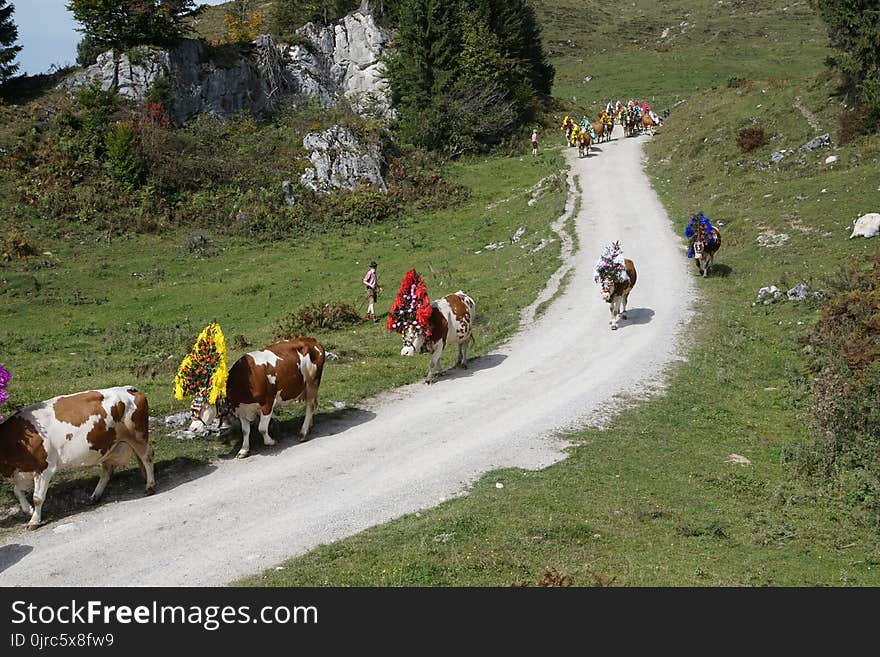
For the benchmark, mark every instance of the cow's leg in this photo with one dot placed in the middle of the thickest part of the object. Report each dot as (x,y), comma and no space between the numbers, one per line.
(462,354)
(106,471)
(311,405)
(41,487)
(20,481)
(623,309)
(614,313)
(144,452)
(265,418)
(245,438)
(434,364)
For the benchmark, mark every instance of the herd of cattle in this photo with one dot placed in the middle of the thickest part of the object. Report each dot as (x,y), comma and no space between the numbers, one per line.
(105,427)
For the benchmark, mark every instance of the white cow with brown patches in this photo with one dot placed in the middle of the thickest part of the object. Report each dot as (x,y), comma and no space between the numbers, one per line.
(616,293)
(96,427)
(451,322)
(282,373)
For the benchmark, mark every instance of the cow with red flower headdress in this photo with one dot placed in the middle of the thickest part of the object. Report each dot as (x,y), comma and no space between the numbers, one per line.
(428,326)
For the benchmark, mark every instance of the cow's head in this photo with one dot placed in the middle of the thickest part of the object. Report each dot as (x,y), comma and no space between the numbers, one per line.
(204,415)
(413,341)
(607,289)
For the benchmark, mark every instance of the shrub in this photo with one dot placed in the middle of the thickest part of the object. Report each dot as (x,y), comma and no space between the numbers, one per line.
(125,158)
(748,139)
(316,317)
(16,246)
(160,92)
(844,348)
(366,207)
(87,51)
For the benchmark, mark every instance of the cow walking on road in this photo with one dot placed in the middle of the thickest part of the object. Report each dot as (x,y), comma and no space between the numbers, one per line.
(451,322)
(616,293)
(282,373)
(96,427)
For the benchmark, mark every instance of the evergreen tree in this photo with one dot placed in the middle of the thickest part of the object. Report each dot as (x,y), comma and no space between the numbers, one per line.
(124,24)
(854,32)
(87,51)
(516,26)
(8,36)
(428,47)
(466,72)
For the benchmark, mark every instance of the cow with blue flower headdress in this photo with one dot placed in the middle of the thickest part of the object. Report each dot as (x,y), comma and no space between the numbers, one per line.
(705,240)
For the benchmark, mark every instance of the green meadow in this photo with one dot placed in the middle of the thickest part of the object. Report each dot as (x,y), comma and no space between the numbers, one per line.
(90,314)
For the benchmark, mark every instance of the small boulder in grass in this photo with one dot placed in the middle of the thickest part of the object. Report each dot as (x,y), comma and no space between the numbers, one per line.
(868,225)
(768,295)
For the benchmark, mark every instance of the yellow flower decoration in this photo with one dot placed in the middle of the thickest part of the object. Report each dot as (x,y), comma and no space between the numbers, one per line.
(205,368)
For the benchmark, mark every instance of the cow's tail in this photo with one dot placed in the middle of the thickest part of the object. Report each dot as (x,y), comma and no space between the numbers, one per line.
(307,367)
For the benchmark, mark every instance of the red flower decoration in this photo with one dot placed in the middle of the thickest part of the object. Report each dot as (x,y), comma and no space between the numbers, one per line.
(412,307)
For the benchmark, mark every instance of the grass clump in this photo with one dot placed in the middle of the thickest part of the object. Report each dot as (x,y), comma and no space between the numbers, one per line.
(749,139)
(314,317)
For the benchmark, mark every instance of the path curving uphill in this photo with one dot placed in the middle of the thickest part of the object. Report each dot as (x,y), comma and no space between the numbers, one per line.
(413,447)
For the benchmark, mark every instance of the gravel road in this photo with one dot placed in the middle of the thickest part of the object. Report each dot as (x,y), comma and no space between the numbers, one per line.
(413,447)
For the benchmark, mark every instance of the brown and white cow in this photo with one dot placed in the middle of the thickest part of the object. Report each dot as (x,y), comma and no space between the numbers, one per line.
(617,294)
(282,373)
(705,247)
(451,322)
(96,427)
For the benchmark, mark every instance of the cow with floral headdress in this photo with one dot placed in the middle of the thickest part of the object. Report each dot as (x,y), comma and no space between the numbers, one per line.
(616,277)
(705,240)
(428,326)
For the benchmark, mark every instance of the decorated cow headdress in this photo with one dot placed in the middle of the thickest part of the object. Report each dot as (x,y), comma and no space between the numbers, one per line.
(5,377)
(204,371)
(697,223)
(412,307)
(612,264)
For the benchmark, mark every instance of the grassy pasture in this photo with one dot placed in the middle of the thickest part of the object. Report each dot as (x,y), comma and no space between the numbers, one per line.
(96,314)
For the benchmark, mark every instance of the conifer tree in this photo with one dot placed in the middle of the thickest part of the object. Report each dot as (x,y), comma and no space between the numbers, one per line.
(854,33)
(8,37)
(124,24)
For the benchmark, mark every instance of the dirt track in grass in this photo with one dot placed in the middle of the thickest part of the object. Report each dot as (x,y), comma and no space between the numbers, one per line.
(415,446)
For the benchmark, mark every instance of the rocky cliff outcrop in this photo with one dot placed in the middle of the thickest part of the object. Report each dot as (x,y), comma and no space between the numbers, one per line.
(340,61)
(341,161)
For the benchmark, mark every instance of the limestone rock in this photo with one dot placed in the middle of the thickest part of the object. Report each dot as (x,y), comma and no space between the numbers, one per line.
(768,295)
(803,292)
(341,161)
(332,63)
(342,61)
(868,225)
(816,143)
